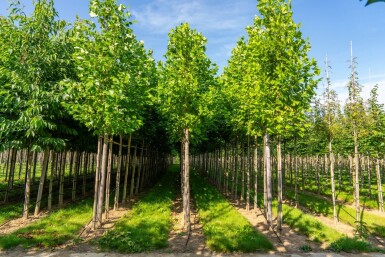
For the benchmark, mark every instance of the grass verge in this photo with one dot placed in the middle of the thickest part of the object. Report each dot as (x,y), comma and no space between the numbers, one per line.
(10,211)
(55,229)
(373,223)
(148,225)
(225,229)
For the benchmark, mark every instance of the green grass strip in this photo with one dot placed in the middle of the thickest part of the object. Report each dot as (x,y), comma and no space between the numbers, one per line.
(308,225)
(148,225)
(225,229)
(374,223)
(53,230)
(316,231)
(10,211)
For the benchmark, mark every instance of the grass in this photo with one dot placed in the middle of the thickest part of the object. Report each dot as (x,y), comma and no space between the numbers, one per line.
(148,225)
(10,211)
(309,226)
(375,224)
(345,193)
(225,229)
(53,230)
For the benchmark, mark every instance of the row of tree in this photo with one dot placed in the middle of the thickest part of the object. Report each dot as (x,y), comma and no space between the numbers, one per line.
(61,83)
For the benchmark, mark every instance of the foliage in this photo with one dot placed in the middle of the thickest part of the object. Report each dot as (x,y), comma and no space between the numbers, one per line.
(113,70)
(34,58)
(184,82)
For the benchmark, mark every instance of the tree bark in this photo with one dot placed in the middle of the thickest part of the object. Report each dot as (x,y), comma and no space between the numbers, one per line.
(379,187)
(102,184)
(108,178)
(128,159)
(42,180)
(279,178)
(116,202)
(27,183)
(97,180)
(269,214)
(186,181)
(255,173)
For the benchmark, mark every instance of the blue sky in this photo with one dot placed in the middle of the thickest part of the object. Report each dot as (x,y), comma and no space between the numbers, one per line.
(330,25)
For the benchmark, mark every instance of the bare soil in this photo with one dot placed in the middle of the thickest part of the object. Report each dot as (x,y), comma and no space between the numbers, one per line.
(179,241)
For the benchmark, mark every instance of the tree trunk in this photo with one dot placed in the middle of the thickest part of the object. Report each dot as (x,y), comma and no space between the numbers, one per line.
(269,214)
(186,181)
(132,188)
(331,162)
(27,183)
(108,178)
(279,178)
(42,180)
(255,173)
(116,202)
(140,167)
(379,187)
(357,176)
(54,156)
(102,184)
(75,175)
(128,159)
(62,173)
(296,173)
(97,179)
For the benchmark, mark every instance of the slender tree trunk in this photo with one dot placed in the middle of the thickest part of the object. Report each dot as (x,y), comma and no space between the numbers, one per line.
(54,156)
(134,159)
(279,178)
(42,180)
(186,180)
(255,172)
(357,177)
(331,162)
(269,215)
(295,173)
(108,178)
(95,220)
(75,175)
(27,183)
(102,183)
(128,159)
(62,173)
(116,203)
(379,187)
(140,167)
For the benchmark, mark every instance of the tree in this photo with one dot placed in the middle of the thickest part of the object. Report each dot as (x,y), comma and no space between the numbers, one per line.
(112,81)
(284,75)
(34,58)
(355,111)
(185,79)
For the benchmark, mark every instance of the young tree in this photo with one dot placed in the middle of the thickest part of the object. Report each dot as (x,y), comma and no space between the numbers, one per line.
(331,107)
(285,77)
(185,79)
(34,58)
(355,111)
(113,76)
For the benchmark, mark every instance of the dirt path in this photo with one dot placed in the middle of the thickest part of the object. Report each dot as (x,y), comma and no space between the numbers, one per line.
(178,237)
(15,224)
(287,241)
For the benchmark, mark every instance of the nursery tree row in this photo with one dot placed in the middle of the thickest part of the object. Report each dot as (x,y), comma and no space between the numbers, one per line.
(91,85)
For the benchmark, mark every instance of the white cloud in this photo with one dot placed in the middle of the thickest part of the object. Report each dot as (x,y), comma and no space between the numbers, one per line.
(159,16)
(340,86)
